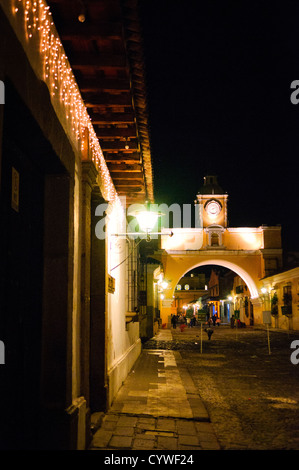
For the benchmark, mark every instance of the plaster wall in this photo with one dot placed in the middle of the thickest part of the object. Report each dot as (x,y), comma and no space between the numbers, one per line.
(276,284)
(123,341)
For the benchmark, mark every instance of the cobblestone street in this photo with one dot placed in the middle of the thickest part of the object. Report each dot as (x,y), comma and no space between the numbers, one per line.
(249,386)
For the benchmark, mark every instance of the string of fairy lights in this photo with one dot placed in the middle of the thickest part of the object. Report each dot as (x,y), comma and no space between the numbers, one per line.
(59,77)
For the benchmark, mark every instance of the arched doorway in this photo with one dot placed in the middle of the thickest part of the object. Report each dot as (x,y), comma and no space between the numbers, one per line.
(233,267)
(213,291)
(175,271)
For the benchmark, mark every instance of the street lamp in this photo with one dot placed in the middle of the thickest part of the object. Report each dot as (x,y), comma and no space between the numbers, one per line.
(147,220)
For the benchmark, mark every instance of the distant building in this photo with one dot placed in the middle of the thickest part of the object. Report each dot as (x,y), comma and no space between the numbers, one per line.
(189,289)
(280,296)
(253,253)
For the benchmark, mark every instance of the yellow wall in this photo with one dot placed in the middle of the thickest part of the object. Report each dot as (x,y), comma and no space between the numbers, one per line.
(276,283)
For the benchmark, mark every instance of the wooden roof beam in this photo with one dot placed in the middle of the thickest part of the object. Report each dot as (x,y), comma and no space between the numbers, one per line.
(112,118)
(91,30)
(81,60)
(127,176)
(118,167)
(122,157)
(103,84)
(106,99)
(118,145)
(116,132)
(127,185)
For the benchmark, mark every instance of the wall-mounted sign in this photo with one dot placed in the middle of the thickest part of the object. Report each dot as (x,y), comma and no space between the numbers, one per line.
(2,92)
(111,284)
(267,317)
(15,184)
(202,317)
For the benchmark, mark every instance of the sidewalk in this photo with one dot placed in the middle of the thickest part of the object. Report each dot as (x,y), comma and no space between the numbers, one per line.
(157,408)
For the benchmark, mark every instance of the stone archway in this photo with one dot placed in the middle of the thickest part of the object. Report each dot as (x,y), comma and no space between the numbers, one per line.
(233,267)
(253,253)
(177,265)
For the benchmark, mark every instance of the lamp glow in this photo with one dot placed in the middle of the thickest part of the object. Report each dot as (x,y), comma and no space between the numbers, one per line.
(147,220)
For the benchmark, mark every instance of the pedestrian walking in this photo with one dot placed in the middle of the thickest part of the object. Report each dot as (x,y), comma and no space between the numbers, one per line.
(209,332)
(173,321)
(232,321)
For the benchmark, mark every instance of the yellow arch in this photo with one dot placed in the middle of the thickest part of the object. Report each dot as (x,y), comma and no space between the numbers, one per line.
(232,266)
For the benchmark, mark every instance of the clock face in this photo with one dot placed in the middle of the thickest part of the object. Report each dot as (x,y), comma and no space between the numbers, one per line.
(213,208)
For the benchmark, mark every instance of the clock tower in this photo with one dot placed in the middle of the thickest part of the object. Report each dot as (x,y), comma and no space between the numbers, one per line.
(213,203)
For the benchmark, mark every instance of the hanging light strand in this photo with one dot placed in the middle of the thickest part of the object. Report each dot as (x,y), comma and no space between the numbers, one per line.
(59,77)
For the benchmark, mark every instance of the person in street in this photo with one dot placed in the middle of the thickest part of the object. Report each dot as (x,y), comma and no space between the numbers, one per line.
(173,321)
(232,321)
(214,319)
(209,332)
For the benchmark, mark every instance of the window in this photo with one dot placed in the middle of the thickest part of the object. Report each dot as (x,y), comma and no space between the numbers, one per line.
(214,239)
(287,295)
(239,289)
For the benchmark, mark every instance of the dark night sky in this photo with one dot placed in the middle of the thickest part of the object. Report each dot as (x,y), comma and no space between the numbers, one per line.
(218,82)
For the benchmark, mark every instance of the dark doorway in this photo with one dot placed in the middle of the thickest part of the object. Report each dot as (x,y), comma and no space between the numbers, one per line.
(25,153)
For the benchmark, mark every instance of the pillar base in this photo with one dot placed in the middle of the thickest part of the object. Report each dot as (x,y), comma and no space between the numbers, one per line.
(66,429)
(257,310)
(120,370)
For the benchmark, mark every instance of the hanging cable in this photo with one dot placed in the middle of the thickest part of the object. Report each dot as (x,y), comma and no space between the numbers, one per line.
(131,251)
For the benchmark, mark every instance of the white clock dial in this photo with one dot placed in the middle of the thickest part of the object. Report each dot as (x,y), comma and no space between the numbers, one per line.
(213,208)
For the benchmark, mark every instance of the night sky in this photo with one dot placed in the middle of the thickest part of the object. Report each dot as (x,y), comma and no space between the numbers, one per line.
(218,80)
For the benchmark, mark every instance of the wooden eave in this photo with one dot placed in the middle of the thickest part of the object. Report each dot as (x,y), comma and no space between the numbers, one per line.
(106,55)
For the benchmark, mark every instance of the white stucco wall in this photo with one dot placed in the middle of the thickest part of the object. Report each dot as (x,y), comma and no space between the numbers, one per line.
(123,341)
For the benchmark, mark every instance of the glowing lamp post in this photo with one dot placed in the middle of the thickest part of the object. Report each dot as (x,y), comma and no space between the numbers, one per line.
(147,220)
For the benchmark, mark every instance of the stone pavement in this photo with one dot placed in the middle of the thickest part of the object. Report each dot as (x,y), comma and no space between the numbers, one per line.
(157,408)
